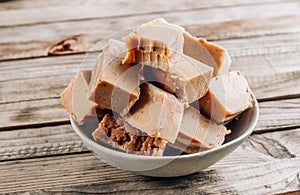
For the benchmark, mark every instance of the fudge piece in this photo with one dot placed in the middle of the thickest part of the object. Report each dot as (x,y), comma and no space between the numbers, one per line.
(120,135)
(148,52)
(228,96)
(75,98)
(155,43)
(197,133)
(113,53)
(114,85)
(188,79)
(208,53)
(157,113)
(178,41)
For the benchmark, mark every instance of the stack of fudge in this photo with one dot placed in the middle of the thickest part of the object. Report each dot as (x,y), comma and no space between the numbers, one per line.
(159,88)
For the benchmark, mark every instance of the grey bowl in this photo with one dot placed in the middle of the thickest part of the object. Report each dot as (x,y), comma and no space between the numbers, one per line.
(172,166)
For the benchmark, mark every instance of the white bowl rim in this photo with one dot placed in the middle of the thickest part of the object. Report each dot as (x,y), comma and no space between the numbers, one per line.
(185,156)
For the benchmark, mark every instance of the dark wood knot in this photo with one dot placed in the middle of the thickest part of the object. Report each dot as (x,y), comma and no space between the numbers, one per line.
(66,46)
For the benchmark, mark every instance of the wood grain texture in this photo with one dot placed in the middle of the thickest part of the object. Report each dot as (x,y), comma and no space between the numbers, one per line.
(260,178)
(39,78)
(103,9)
(279,115)
(27,69)
(31,113)
(271,76)
(29,4)
(245,28)
(273,44)
(267,163)
(22,41)
(38,142)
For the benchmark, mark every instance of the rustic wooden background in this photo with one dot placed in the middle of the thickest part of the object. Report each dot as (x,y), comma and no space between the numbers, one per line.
(43,42)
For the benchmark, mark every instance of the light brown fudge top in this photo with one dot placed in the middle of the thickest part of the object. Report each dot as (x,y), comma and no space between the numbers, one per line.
(208,53)
(188,68)
(188,79)
(161,31)
(228,95)
(236,90)
(196,76)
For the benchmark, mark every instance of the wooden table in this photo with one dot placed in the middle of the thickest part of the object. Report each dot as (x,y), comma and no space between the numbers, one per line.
(43,42)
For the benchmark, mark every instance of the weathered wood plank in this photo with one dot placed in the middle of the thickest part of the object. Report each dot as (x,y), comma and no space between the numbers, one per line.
(42,67)
(215,15)
(36,142)
(22,41)
(29,113)
(275,115)
(271,76)
(279,145)
(273,44)
(245,28)
(28,4)
(100,9)
(266,163)
(39,78)
(35,88)
(259,178)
